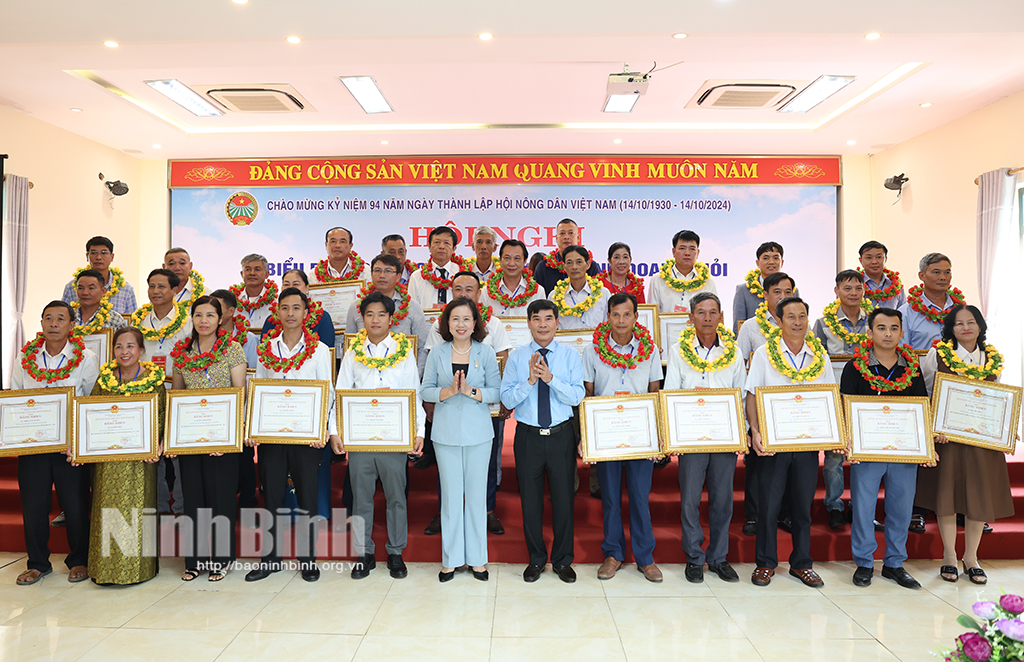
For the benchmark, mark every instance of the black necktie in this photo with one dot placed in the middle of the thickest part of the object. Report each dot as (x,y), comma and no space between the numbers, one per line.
(442,295)
(543,397)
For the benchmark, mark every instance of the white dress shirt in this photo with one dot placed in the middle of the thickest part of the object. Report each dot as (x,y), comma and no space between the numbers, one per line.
(496,338)
(346,273)
(254,318)
(517,311)
(680,376)
(592,317)
(750,336)
(930,363)
(670,300)
(485,274)
(763,373)
(159,351)
(403,375)
(608,380)
(316,367)
(83,378)
(423,292)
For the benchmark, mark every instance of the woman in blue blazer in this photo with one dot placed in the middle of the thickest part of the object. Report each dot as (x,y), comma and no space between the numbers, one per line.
(462,378)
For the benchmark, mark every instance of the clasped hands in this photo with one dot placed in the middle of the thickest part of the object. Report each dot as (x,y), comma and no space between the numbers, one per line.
(539,369)
(459,385)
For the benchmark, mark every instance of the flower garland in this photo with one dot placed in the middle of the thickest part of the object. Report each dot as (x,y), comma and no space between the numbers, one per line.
(435,280)
(358,348)
(203,360)
(886,293)
(494,290)
(269,295)
(915,293)
(275,363)
(694,360)
(470,262)
(167,330)
(401,310)
(761,317)
(695,283)
(316,313)
(753,282)
(558,264)
(831,319)
(634,284)
(99,318)
(562,287)
(879,383)
(411,267)
(602,334)
(51,375)
(323,274)
(239,329)
(485,314)
(811,372)
(993,366)
(198,288)
(116,281)
(154,377)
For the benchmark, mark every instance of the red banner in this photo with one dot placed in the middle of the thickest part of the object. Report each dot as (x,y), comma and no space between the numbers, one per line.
(455,170)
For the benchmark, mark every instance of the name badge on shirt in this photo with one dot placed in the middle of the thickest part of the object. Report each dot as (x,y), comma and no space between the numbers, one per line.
(682,309)
(623,393)
(160,360)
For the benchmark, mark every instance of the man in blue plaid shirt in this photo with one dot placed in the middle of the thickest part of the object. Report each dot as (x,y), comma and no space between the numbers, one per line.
(100,253)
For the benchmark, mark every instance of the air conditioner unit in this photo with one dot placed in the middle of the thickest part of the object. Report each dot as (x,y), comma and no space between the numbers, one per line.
(263,98)
(743,95)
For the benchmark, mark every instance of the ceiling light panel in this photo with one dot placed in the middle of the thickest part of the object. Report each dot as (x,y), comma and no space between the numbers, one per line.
(367,94)
(185,97)
(815,93)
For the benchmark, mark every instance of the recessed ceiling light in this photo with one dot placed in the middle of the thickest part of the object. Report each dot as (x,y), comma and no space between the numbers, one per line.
(157,145)
(240,2)
(809,97)
(926,104)
(75,110)
(680,35)
(617,141)
(384,142)
(111,44)
(293,40)
(185,97)
(366,92)
(485,36)
(871,36)
(851,142)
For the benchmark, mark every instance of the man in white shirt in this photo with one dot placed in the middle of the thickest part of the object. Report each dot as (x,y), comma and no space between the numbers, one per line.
(441,242)
(341,263)
(745,302)
(513,282)
(686,278)
(255,294)
(718,469)
(797,472)
(53,356)
(753,333)
(576,290)
(485,241)
(376,310)
(178,261)
(394,244)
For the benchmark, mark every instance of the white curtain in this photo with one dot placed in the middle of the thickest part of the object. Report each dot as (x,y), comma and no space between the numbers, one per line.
(995,225)
(15,219)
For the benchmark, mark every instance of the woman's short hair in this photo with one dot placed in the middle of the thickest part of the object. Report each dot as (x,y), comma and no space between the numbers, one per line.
(616,246)
(133,331)
(480,328)
(302,275)
(950,321)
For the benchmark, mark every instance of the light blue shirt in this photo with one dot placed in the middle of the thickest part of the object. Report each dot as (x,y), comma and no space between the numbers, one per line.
(895,302)
(919,330)
(566,385)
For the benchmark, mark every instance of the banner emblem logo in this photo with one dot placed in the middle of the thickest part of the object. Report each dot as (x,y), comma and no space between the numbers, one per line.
(241,208)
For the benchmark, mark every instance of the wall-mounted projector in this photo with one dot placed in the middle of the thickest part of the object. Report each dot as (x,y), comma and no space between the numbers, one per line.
(629,82)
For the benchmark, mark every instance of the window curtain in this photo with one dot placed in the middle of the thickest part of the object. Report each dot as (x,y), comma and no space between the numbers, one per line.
(15,219)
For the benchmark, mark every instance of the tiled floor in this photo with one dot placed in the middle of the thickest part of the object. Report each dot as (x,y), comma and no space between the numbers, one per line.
(418,618)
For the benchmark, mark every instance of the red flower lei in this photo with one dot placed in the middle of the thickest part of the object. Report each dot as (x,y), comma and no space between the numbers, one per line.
(914,299)
(485,314)
(202,360)
(51,375)
(886,293)
(615,359)
(240,329)
(411,267)
(269,296)
(558,264)
(323,275)
(275,363)
(634,283)
(316,312)
(494,290)
(879,383)
(401,312)
(435,280)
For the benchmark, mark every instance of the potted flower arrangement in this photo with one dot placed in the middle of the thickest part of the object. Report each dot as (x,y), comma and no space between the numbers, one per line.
(998,637)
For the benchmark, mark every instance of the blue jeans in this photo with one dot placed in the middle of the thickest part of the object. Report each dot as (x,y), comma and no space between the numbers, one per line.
(832,472)
(900,487)
(638,484)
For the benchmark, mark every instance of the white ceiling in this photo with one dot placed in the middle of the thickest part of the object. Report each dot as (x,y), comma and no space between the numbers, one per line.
(547,65)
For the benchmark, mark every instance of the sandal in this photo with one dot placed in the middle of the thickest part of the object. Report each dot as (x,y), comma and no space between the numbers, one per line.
(189,574)
(948,571)
(975,575)
(31,576)
(78,574)
(917,524)
(217,575)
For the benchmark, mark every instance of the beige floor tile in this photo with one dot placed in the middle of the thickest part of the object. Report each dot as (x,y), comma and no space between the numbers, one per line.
(918,650)
(916,616)
(547,649)
(375,648)
(822,650)
(249,646)
(88,605)
(325,612)
(695,650)
(127,645)
(7,558)
(587,585)
(434,615)
(27,644)
(810,617)
(16,600)
(223,611)
(673,618)
(422,580)
(552,617)
(628,582)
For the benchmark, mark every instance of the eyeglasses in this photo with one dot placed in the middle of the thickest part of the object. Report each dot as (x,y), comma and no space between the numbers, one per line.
(383,272)
(103,253)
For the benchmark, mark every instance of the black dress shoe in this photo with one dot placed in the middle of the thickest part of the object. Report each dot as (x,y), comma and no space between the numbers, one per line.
(786,525)
(494,524)
(750,527)
(900,576)
(424,462)
(663,462)
(312,573)
(987,528)
(443,576)
(596,494)
(879,526)
(532,573)
(397,566)
(434,527)
(363,565)
(836,519)
(483,575)
(862,576)
(263,571)
(724,571)
(565,573)
(694,573)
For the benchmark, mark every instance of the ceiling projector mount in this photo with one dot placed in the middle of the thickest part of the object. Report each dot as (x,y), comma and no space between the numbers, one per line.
(624,89)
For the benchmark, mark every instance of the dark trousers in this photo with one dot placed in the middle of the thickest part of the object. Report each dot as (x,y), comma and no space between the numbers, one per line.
(638,475)
(799,473)
(492,467)
(36,475)
(346,487)
(302,462)
(717,470)
(247,478)
(208,485)
(555,456)
(752,489)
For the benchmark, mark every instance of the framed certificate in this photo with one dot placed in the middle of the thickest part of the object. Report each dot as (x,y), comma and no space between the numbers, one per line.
(101,343)
(431,315)
(495,408)
(111,428)
(517,330)
(35,421)
(619,427)
(799,418)
(414,339)
(647,315)
(839,362)
(703,421)
(204,421)
(976,413)
(287,411)
(377,421)
(336,298)
(334,365)
(889,429)
(670,325)
(579,339)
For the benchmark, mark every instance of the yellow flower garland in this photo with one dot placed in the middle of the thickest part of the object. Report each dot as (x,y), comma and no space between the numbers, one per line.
(98,320)
(761,317)
(692,359)
(808,374)
(169,329)
(753,283)
(697,282)
(831,319)
(562,287)
(993,366)
(470,262)
(153,376)
(383,362)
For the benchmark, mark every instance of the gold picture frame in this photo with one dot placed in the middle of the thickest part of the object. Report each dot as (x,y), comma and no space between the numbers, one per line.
(517,328)
(732,398)
(647,314)
(668,331)
(495,408)
(320,389)
(405,398)
(144,405)
(839,360)
(204,396)
(336,298)
(578,339)
(856,406)
(595,410)
(101,342)
(952,389)
(795,442)
(57,400)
